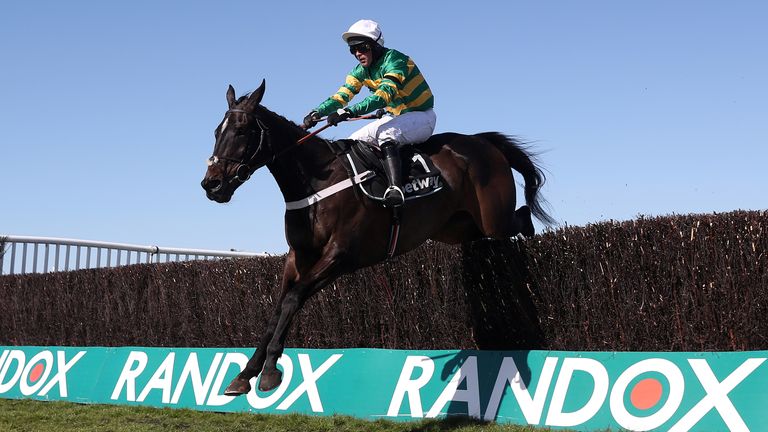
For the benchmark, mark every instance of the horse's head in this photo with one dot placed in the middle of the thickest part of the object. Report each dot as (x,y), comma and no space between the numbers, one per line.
(242,146)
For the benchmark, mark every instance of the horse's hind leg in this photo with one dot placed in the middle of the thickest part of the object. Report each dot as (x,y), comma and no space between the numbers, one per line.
(495,213)
(524,221)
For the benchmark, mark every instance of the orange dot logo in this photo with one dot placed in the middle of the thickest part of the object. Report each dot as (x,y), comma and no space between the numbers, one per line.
(646,394)
(36,372)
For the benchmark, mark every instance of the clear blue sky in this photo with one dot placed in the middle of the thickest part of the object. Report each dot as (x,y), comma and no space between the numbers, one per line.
(107,109)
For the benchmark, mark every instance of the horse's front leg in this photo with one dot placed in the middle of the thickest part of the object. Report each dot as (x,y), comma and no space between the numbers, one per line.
(324,271)
(240,384)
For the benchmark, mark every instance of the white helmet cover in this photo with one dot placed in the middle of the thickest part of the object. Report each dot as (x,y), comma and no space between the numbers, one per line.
(364,28)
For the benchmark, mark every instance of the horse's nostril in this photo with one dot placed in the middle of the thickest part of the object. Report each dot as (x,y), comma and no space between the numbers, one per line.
(211,185)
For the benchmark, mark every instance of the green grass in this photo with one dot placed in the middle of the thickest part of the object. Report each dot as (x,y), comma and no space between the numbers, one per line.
(29,415)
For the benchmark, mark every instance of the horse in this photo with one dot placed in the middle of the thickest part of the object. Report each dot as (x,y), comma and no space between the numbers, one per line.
(347,231)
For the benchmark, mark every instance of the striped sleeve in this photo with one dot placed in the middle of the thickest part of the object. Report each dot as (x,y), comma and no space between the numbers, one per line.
(341,98)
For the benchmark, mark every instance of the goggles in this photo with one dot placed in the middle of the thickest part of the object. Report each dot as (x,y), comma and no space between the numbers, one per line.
(361,47)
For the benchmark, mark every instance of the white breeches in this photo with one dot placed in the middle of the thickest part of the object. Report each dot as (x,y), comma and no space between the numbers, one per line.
(409,128)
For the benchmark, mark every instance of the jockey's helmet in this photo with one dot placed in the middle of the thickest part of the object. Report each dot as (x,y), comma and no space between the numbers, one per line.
(362,31)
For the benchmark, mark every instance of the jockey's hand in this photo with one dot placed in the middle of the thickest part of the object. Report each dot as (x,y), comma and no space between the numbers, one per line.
(339,116)
(311,119)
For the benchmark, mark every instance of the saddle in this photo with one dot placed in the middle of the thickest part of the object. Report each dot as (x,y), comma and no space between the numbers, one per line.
(364,164)
(421,176)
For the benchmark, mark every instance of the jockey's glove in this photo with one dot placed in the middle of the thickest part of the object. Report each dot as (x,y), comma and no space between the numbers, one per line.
(339,116)
(311,119)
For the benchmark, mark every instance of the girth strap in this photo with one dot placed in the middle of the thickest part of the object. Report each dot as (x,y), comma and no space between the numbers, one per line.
(325,193)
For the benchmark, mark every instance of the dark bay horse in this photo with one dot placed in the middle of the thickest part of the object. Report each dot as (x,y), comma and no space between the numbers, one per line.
(347,231)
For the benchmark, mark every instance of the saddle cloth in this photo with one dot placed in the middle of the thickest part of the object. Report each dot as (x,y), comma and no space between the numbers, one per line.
(421,176)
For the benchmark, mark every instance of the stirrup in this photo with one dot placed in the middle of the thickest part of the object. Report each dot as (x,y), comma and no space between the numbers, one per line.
(393,197)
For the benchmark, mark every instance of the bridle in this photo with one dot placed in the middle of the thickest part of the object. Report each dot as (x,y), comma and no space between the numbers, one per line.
(244,169)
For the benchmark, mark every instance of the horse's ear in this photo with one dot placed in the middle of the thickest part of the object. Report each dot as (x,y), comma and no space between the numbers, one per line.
(255,97)
(231,96)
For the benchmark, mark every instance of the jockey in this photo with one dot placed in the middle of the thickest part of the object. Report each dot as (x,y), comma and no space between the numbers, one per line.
(397,86)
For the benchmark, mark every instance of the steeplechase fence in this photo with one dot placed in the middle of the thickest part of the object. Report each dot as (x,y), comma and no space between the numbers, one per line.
(681,283)
(26,254)
(651,324)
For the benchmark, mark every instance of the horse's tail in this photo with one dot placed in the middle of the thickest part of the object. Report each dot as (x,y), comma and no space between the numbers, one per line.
(523,161)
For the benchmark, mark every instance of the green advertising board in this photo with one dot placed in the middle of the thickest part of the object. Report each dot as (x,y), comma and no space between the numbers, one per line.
(579,390)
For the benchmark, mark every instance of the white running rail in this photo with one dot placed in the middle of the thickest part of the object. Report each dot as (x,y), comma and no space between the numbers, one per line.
(24,254)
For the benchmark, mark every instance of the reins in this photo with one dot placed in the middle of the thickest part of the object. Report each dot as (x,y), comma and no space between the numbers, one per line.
(263,133)
(311,134)
(378,114)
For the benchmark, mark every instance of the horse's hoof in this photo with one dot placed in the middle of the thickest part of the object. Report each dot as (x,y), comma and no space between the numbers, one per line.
(270,380)
(238,387)
(523,215)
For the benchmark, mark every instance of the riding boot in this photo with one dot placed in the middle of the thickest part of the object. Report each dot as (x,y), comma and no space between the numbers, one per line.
(393,196)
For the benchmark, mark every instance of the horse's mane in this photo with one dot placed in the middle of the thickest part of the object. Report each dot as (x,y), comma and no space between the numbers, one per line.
(272,113)
(285,127)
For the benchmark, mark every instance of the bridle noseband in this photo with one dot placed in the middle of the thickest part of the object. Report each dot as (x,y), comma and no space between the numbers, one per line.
(244,168)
